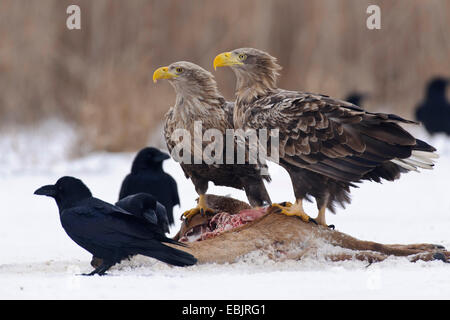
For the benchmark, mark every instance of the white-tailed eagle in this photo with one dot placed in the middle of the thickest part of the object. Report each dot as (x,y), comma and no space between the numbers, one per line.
(198,99)
(326,145)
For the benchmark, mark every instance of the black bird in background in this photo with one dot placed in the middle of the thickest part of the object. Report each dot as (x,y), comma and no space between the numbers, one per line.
(356,98)
(147,176)
(434,111)
(107,231)
(145,206)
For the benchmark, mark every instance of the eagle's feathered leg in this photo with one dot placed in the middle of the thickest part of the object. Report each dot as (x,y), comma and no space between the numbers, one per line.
(301,184)
(295,209)
(307,183)
(322,204)
(321,216)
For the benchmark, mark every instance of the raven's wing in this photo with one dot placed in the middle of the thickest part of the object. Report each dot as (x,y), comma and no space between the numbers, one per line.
(91,222)
(174,191)
(124,188)
(136,204)
(96,231)
(144,206)
(116,220)
(108,230)
(107,208)
(139,220)
(161,217)
(173,198)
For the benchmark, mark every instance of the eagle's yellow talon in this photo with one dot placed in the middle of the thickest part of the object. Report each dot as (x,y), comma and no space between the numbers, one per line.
(296,209)
(190,213)
(201,208)
(285,204)
(282,206)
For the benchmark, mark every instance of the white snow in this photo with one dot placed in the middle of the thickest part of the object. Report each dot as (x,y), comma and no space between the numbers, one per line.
(39,261)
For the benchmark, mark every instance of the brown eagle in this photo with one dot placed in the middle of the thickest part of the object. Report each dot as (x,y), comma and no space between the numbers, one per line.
(198,99)
(326,145)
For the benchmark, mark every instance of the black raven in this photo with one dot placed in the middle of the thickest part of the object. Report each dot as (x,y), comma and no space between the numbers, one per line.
(434,111)
(107,231)
(356,98)
(147,176)
(145,206)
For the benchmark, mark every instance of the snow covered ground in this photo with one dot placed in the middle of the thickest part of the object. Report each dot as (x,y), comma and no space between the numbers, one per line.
(39,261)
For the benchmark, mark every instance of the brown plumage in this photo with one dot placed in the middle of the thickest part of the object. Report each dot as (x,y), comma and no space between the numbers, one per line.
(326,145)
(198,99)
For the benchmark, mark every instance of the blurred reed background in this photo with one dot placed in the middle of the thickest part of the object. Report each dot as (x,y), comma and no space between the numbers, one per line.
(99,78)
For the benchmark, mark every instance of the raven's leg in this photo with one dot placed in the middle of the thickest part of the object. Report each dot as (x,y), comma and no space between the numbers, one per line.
(295,209)
(201,208)
(96,262)
(100,270)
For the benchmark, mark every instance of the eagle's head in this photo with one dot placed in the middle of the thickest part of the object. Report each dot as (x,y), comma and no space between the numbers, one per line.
(190,81)
(256,71)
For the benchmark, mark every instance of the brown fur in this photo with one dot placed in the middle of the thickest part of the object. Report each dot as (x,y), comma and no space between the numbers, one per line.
(278,234)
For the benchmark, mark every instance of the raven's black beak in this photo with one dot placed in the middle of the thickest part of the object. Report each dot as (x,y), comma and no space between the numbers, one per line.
(161,157)
(49,190)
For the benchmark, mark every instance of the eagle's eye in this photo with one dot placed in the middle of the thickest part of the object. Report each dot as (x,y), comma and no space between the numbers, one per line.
(242,57)
(179,70)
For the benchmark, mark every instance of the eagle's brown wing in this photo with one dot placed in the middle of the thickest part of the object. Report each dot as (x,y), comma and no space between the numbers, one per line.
(333,137)
(248,177)
(169,127)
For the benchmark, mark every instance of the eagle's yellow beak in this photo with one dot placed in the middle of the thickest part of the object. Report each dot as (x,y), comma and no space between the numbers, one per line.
(163,73)
(225,59)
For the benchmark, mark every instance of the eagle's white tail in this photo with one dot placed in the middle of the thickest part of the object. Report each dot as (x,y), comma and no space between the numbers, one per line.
(418,159)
